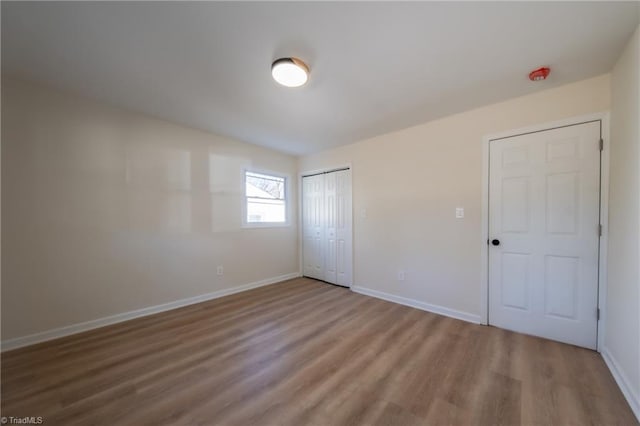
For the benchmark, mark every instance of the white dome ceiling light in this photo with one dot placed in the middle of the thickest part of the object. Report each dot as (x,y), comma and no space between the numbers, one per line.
(290,72)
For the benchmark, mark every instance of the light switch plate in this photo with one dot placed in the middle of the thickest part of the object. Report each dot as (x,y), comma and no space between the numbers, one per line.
(459,212)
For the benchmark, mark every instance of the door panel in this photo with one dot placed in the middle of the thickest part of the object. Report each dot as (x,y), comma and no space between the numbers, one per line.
(330,274)
(312,226)
(515,205)
(544,209)
(343,227)
(561,286)
(515,280)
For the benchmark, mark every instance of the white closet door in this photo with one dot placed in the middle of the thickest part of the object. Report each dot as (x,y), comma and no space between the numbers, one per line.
(326,227)
(343,228)
(544,215)
(330,210)
(312,226)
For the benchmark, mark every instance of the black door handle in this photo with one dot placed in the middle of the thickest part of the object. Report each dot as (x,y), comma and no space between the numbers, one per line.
(495,242)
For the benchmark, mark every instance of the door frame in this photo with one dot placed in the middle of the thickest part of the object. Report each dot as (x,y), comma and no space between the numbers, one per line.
(301,174)
(603,117)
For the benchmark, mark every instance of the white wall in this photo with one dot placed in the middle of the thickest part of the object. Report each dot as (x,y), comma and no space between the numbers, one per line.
(107,211)
(410,182)
(622,337)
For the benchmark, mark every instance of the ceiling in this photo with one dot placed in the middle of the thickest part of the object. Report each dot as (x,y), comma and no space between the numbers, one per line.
(375,67)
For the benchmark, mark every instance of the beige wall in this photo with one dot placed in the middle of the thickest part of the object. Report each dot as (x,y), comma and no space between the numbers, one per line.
(410,182)
(622,337)
(107,211)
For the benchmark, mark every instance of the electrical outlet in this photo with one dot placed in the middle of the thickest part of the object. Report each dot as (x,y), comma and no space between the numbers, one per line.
(401,275)
(220,270)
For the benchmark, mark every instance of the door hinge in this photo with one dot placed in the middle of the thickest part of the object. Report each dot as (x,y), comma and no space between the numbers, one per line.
(600,230)
(598,314)
(601,144)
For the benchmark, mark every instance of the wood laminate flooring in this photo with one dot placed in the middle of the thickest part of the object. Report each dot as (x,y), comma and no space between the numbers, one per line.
(303,352)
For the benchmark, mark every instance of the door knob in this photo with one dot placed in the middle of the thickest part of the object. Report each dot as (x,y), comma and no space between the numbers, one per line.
(495,242)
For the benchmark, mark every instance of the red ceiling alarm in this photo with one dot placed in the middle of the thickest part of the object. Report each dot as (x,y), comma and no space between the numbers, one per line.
(539,74)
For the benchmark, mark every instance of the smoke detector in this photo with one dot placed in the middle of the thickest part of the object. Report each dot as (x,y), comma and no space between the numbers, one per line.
(539,74)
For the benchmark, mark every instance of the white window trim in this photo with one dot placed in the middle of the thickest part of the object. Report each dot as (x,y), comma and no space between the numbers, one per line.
(287,201)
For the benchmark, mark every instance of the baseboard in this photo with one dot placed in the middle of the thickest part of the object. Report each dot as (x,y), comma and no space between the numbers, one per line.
(623,382)
(55,333)
(441,310)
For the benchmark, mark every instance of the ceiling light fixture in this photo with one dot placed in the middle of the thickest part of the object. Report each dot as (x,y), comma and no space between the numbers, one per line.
(290,72)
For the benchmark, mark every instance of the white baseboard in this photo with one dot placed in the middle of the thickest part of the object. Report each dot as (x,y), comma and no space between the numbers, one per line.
(464,316)
(55,333)
(623,382)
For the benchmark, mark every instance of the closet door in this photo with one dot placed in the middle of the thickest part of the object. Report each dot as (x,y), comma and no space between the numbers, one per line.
(312,226)
(330,210)
(343,220)
(326,227)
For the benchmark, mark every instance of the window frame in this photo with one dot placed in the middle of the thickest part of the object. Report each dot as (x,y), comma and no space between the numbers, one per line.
(287,202)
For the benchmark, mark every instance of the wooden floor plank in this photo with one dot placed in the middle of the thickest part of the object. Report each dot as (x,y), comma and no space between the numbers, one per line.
(304,352)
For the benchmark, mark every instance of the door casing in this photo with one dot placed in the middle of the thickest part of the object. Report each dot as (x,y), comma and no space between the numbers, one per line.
(603,117)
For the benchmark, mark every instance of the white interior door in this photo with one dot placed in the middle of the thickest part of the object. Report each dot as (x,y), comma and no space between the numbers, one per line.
(343,228)
(327,227)
(331,256)
(313,226)
(544,201)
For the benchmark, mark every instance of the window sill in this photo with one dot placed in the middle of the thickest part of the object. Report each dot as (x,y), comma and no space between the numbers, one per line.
(266,225)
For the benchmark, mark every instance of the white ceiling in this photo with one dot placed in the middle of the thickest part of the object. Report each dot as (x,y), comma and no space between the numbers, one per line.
(375,67)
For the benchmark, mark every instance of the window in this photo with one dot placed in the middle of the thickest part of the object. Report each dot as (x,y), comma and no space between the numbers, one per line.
(265,199)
